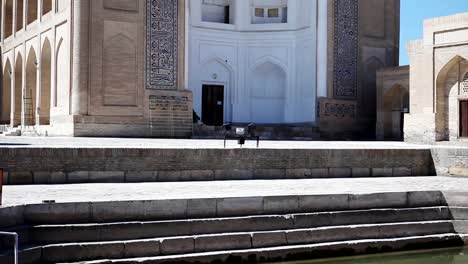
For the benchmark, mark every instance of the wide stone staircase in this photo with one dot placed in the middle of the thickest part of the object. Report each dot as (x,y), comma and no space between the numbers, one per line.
(234,230)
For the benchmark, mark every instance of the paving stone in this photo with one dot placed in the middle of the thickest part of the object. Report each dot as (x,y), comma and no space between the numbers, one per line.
(319,173)
(233,174)
(402,172)
(107,176)
(141,176)
(272,205)
(269,239)
(382,172)
(177,246)
(340,172)
(58,177)
(239,206)
(19,178)
(201,208)
(146,248)
(78,177)
(41,177)
(222,242)
(361,172)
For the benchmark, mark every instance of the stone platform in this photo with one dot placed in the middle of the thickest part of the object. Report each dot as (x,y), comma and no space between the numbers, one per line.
(115,160)
(72,193)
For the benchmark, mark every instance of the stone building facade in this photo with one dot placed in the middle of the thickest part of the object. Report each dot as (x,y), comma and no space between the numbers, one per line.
(137,68)
(438,82)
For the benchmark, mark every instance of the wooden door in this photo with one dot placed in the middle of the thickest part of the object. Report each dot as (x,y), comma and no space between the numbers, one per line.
(213,105)
(464,119)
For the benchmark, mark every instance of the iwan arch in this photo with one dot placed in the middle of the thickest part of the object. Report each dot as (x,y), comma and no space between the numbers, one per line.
(141,68)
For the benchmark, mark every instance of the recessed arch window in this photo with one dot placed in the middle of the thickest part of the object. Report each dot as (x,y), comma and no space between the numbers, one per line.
(464,85)
(269,11)
(216,11)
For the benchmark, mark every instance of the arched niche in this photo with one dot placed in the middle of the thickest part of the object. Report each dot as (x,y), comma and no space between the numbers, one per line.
(32,11)
(29,98)
(5,95)
(8,18)
(268,94)
(396,104)
(448,96)
(18,89)
(19,14)
(46,83)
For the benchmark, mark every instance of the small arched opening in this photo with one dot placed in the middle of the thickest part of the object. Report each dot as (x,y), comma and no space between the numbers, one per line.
(29,98)
(5,95)
(46,83)
(18,90)
(396,104)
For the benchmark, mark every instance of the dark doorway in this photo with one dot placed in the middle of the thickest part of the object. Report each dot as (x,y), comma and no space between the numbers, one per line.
(464,119)
(213,105)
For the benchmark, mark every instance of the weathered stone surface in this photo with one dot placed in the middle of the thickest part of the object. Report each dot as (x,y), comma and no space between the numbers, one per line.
(41,177)
(106,176)
(383,172)
(146,248)
(201,208)
(239,206)
(319,173)
(222,242)
(269,239)
(272,205)
(269,174)
(403,171)
(58,177)
(177,245)
(340,172)
(318,203)
(361,172)
(380,200)
(20,177)
(141,176)
(78,177)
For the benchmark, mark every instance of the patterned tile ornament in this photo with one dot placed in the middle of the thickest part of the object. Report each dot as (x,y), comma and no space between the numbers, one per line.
(164,103)
(162,44)
(341,109)
(346,52)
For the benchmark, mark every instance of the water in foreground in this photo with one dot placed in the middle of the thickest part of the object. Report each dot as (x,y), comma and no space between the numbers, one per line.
(446,256)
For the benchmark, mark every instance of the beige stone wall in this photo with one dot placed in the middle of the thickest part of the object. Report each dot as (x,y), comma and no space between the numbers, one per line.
(36,51)
(438,66)
(119,103)
(85,66)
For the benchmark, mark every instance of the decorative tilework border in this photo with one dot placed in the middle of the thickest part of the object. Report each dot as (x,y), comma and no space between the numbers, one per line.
(162,45)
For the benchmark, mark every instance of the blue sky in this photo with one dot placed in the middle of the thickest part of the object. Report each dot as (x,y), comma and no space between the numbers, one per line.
(413,13)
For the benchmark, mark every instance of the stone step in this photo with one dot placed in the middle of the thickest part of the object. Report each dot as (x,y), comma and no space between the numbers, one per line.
(298,252)
(459,213)
(94,232)
(72,252)
(151,210)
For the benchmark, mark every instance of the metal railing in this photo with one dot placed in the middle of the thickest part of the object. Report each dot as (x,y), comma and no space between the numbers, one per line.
(15,236)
